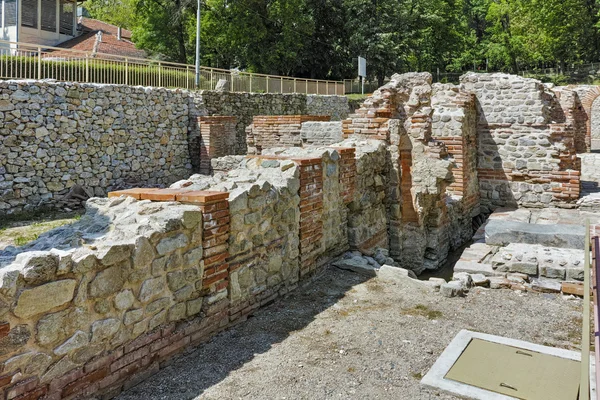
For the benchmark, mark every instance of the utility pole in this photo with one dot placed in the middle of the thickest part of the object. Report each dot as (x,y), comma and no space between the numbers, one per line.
(198,46)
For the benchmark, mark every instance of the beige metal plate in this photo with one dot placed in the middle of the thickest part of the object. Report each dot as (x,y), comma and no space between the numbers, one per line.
(515,372)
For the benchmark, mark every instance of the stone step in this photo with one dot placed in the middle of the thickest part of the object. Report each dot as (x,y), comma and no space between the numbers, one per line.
(475,268)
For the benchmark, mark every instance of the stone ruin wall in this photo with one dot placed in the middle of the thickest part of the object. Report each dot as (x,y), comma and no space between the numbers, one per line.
(96,306)
(56,135)
(527,153)
(104,137)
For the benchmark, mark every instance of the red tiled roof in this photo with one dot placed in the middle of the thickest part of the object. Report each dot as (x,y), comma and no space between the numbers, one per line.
(106,42)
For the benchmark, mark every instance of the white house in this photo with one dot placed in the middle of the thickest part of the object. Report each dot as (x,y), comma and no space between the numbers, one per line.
(44,22)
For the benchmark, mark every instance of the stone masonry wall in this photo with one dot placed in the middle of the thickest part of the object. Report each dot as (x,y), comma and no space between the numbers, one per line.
(245,106)
(104,137)
(94,307)
(56,135)
(269,131)
(526,142)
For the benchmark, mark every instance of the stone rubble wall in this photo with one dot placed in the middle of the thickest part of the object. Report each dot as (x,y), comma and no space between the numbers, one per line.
(527,137)
(105,137)
(273,131)
(87,305)
(55,135)
(245,106)
(321,133)
(402,115)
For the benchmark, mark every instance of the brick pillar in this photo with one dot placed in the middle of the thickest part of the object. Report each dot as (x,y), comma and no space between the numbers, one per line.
(311,213)
(347,172)
(215,247)
(409,214)
(217,139)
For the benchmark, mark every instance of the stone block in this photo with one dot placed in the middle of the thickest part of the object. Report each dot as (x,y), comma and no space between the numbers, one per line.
(501,233)
(44,298)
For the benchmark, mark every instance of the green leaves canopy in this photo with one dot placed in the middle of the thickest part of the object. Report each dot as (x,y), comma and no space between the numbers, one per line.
(322,38)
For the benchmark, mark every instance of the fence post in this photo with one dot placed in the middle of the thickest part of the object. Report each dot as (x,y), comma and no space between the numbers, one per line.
(327,87)
(187,76)
(159,74)
(39,63)
(267,78)
(87,67)
(295,90)
(250,76)
(281,85)
(211,80)
(126,72)
(317,87)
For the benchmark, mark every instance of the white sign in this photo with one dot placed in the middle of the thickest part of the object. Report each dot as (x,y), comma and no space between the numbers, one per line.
(362,67)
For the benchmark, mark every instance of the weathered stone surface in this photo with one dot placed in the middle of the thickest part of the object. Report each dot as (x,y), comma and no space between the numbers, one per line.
(77,341)
(104,329)
(124,300)
(44,298)
(475,268)
(107,282)
(143,254)
(390,272)
(171,243)
(545,285)
(501,233)
(39,266)
(451,289)
(152,288)
(480,280)
(114,254)
(16,338)
(528,268)
(356,264)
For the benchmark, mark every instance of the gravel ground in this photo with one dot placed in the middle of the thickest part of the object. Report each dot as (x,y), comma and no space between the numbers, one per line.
(343,337)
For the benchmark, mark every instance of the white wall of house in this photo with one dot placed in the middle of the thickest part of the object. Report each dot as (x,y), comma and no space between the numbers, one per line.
(41,25)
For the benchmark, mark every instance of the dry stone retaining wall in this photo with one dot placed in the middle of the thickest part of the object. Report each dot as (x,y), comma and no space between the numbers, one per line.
(101,137)
(56,135)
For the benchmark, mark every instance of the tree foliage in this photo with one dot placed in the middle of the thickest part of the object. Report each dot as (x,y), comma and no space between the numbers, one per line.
(323,38)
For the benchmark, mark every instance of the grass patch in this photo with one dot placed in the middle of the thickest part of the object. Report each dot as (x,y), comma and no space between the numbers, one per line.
(422,310)
(21,231)
(417,375)
(357,96)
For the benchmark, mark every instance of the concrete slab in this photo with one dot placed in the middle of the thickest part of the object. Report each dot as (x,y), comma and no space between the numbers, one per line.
(501,233)
(435,378)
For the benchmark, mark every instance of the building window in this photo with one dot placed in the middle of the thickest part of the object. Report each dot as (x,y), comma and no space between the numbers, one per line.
(66,17)
(49,15)
(29,13)
(10,13)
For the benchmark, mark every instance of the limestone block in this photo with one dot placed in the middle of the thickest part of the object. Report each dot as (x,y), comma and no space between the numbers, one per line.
(107,282)
(44,298)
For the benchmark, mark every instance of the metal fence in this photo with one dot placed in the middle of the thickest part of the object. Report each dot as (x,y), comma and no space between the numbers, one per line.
(30,61)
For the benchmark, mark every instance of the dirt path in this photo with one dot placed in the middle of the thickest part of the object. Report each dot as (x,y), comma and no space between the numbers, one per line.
(341,337)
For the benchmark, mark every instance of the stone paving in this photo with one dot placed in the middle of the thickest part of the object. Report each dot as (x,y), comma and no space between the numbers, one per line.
(590,181)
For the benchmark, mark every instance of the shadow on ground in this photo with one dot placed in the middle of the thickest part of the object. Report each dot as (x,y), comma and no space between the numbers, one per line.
(212,362)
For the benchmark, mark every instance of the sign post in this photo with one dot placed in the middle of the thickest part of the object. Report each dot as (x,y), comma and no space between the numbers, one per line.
(362,71)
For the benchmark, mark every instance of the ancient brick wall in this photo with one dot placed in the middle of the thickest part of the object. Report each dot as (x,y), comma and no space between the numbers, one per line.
(267,132)
(245,106)
(217,138)
(104,137)
(526,142)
